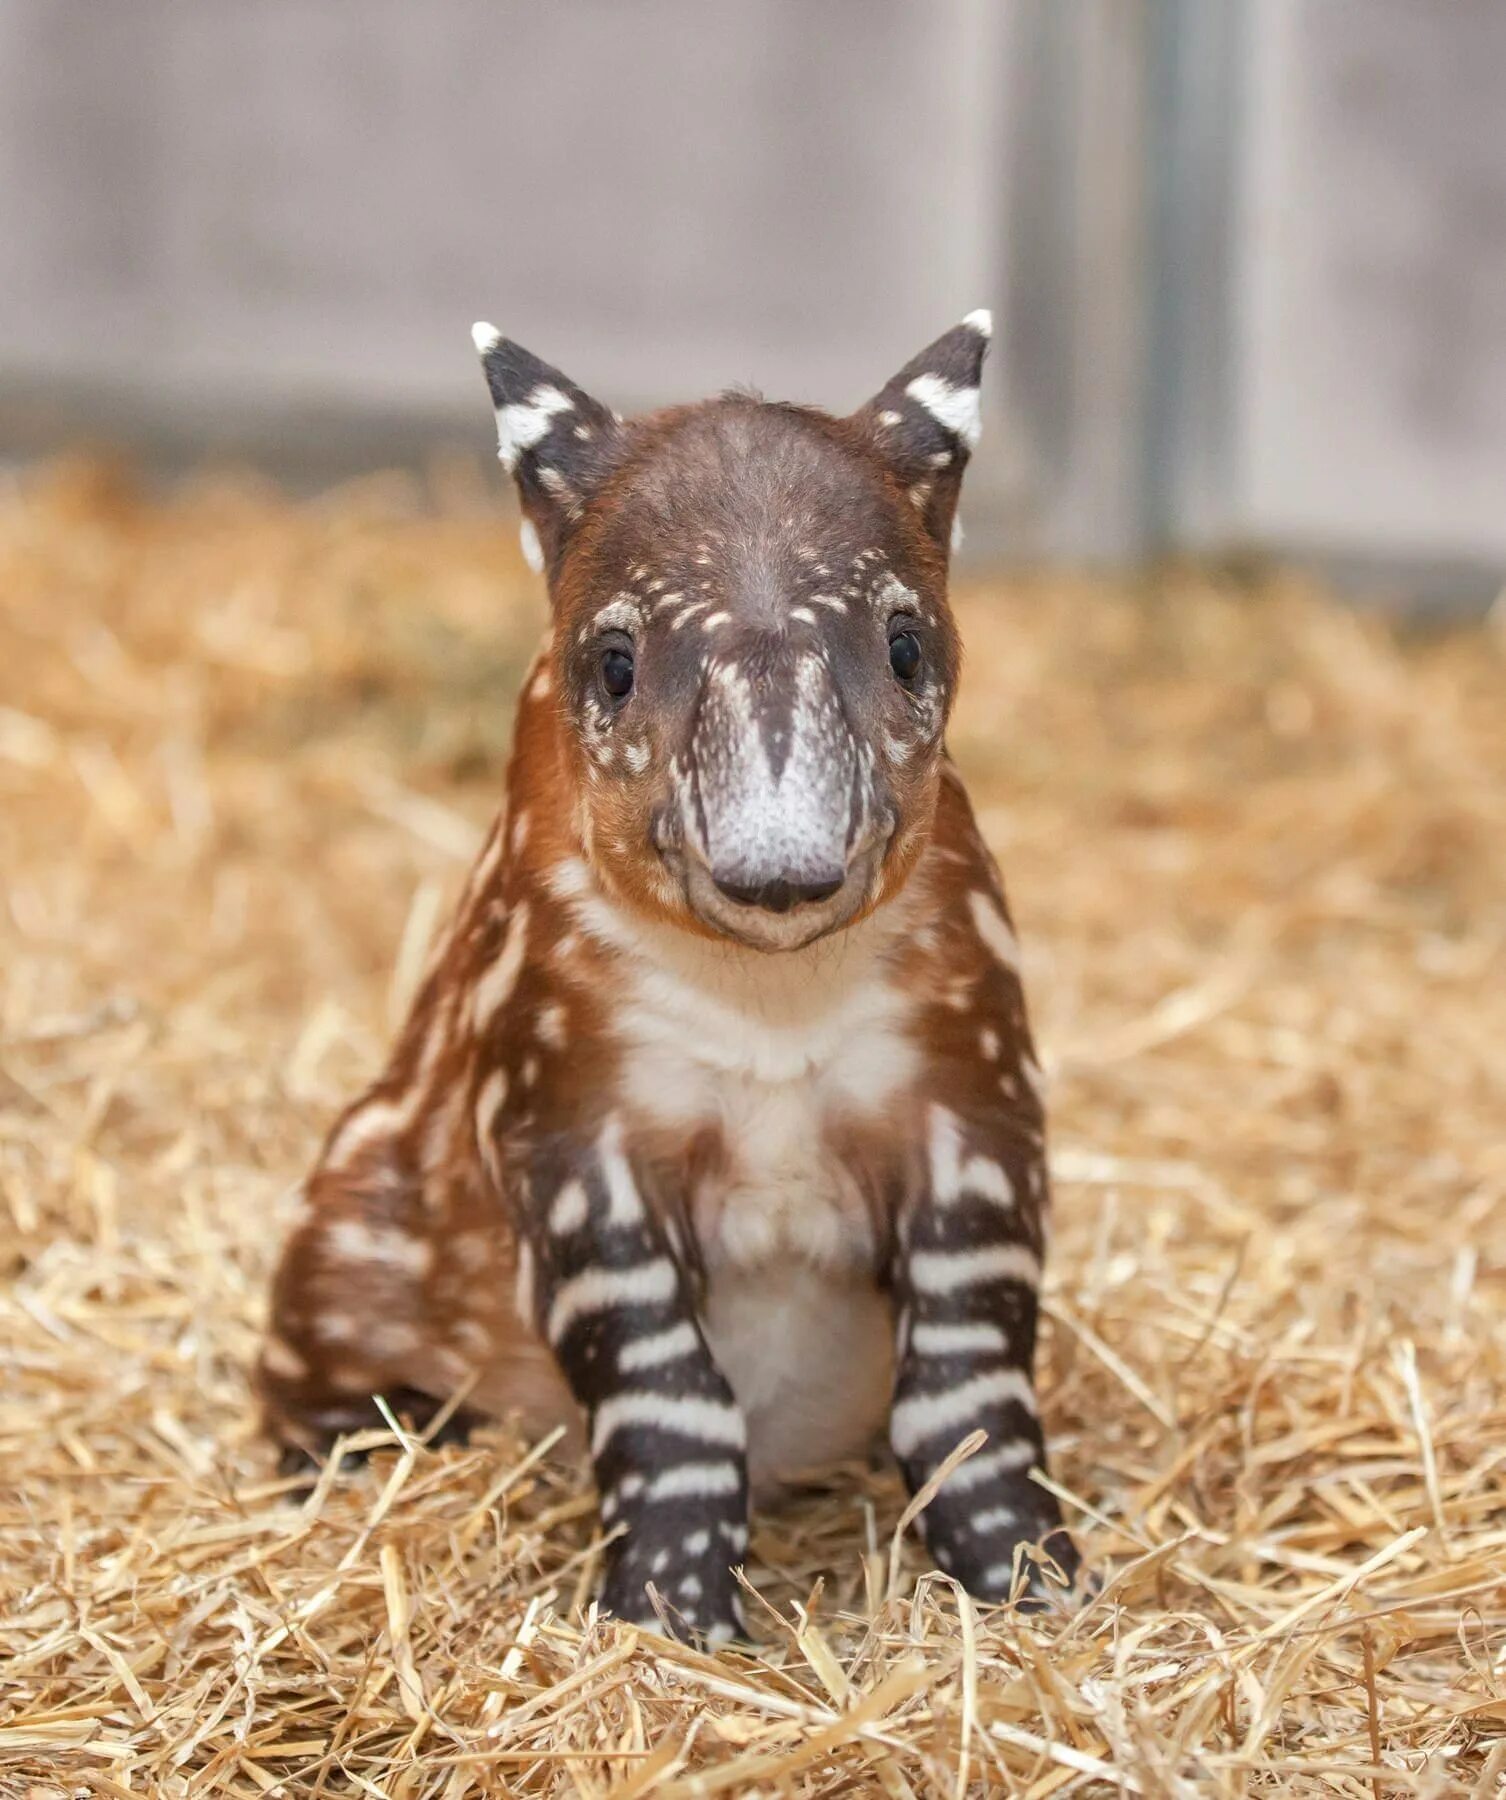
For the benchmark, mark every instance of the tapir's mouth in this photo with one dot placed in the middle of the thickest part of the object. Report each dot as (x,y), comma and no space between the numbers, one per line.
(781,912)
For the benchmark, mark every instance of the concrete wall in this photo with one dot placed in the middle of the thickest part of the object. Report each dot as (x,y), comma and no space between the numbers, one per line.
(1372,334)
(1249,256)
(1334,334)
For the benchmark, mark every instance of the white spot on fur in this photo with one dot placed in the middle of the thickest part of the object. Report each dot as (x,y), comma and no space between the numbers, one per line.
(922,1417)
(709,1421)
(953,1175)
(988,921)
(496,983)
(350,1378)
(569,1209)
(524,1297)
(485,337)
(629,1488)
(988,1465)
(357,1241)
(369,1124)
(944,1271)
(599,1290)
(552,1025)
(620,613)
(623,1205)
(955,409)
(999,1576)
(980,320)
(962,1338)
(375,1120)
(989,1043)
(889,596)
(659,1347)
(391,1337)
(489,1103)
(528,422)
(469,1250)
(533,550)
(471,1338)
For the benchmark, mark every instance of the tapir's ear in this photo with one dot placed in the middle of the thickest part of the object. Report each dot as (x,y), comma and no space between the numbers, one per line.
(552,437)
(925,421)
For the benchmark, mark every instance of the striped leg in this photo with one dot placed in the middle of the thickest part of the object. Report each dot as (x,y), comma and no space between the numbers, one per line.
(967,1277)
(668,1442)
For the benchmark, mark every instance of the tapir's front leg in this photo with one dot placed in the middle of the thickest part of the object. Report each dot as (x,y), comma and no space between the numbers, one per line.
(967,1274)
(667,1439)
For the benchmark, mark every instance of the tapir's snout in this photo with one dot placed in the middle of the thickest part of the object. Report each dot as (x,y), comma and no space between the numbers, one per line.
(779,830)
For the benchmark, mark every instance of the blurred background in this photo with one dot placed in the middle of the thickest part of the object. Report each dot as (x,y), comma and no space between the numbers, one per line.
(1248,257)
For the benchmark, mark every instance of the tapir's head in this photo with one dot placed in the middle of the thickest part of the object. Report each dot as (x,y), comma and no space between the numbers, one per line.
(754,658)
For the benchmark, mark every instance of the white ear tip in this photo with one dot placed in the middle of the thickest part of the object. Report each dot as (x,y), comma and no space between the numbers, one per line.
(485,337)
(981,321)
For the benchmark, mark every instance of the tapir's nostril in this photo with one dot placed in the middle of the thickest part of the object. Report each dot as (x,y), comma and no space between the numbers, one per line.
(779,895)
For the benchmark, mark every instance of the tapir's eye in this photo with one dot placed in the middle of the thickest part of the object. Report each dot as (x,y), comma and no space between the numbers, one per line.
(904,655)
(617,671)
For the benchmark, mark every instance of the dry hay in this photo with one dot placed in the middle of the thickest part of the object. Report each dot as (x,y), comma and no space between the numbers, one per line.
(1257,846)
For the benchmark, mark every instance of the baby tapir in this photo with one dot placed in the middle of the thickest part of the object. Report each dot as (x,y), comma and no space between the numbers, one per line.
(715,1131)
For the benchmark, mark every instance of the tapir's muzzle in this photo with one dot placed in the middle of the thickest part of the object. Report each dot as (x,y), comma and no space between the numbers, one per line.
(779,842)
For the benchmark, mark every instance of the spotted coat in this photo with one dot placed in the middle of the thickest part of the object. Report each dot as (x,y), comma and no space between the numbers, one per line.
(715,1131)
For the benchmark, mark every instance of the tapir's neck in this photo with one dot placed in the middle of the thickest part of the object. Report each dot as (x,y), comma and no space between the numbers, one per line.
(772,987)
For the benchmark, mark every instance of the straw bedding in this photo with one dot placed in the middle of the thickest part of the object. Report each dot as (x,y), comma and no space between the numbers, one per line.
(1257,849)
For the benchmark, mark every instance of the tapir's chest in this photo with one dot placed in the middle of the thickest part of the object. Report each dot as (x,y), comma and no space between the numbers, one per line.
(777,1090)
(787,1235)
